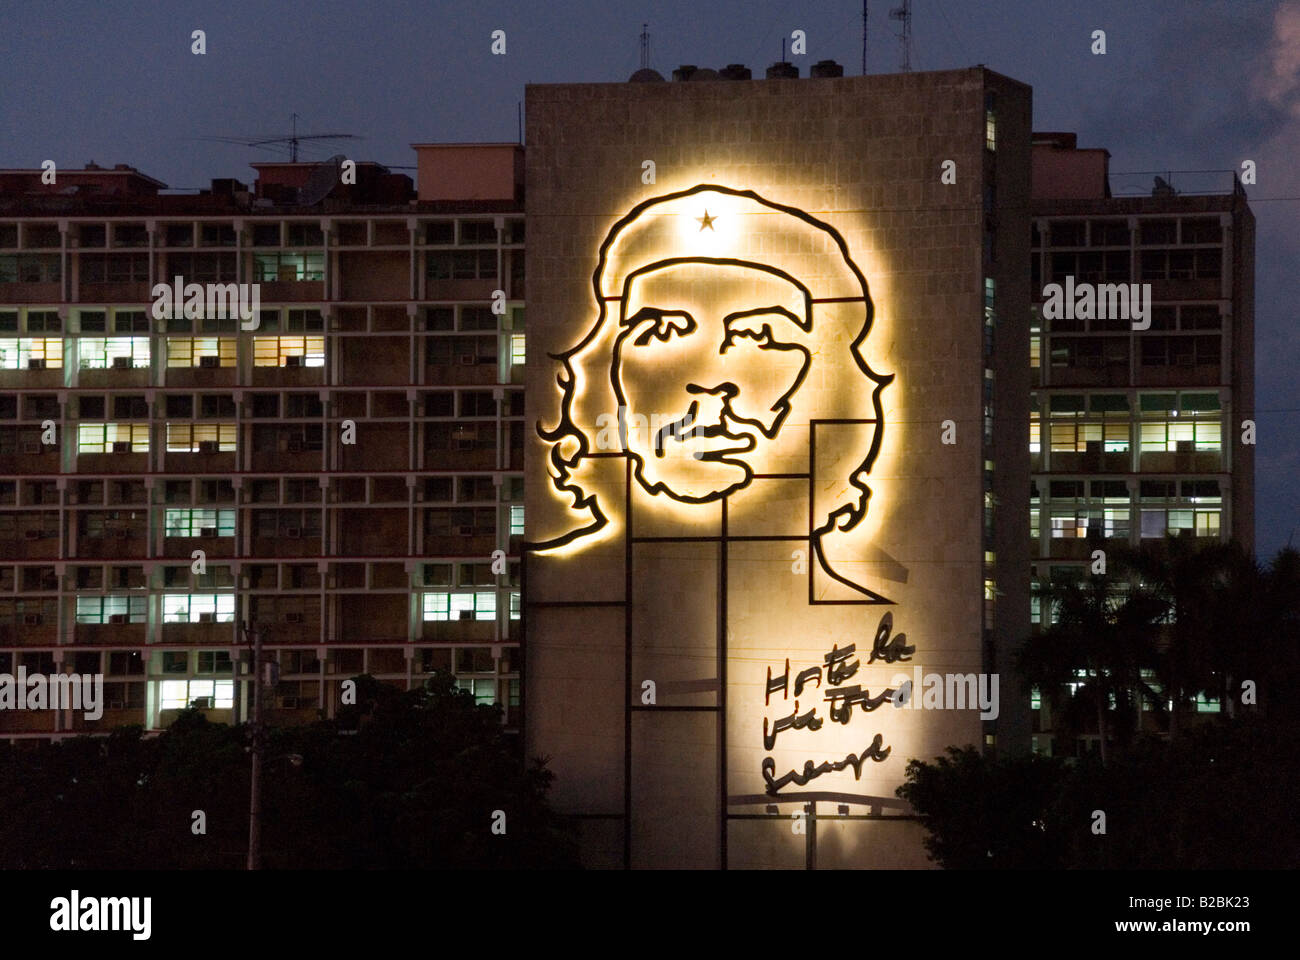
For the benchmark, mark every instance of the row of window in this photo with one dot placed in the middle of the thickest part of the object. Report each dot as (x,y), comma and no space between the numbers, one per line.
(1188,317)
(439,606)
(1115,232)
(308,234)
(1170,436)
(138,321)
(47,353)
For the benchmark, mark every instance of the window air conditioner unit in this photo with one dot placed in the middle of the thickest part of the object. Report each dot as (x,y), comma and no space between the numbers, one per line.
(32,619)
(295,445)
(466,615)
(208,363)
(1186,446)
(121,363)
(117,618)
(464,443)
(209,446)
(31,448)
(207,531)
(464,530)
(293,618)
(1093,447)
(293,533)
(121,446)
(293,361)
(201,703)
(35,363)
(208,617)
(32,534)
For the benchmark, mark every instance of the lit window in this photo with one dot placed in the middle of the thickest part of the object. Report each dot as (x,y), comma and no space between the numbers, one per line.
(1169,436)
(31,353)
(516,520)
(112,438)
(198,608)
(517,349)
(200,437)
(179,694)
(117,609)
(273,267)
(514,605)
(460,606)
(288,351)
(200,351)
(101,354)
(200,522)
(484,689)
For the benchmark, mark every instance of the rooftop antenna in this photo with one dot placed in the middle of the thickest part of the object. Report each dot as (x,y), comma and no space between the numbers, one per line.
(645,46)
(904,14)
(279,144)
(864,37)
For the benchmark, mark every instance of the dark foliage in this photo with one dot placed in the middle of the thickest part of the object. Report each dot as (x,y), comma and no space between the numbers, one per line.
(401,780)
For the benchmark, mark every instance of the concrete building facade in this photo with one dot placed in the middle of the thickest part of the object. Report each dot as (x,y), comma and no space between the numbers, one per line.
(1136,433)
(798,309)
(347,475)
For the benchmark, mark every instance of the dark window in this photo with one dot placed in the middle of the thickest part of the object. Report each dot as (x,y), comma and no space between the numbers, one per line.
(1067,233)
(440,232)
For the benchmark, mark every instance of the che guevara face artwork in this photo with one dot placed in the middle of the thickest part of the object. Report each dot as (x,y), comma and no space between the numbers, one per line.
(729,330)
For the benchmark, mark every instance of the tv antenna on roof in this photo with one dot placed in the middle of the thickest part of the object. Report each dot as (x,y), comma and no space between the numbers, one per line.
(645,46)
(279,144)
(904,15)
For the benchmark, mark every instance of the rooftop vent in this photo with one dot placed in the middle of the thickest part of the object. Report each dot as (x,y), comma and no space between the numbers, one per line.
(684,72)
(826,68)
(735,71)
(784,70)
(646,75)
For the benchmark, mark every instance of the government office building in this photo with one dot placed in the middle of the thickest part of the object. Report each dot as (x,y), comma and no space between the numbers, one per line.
(171,436)
(753,470)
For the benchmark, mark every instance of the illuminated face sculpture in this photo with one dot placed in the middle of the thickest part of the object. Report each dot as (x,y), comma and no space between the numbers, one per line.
(694,417)
(728,326)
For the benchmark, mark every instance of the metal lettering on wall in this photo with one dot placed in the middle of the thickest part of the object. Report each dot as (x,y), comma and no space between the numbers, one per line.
(841,699)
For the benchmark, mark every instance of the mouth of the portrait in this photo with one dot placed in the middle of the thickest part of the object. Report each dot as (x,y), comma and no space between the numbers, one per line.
(726,442)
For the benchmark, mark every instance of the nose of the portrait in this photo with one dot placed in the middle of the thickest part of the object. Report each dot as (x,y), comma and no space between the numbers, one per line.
(710,400)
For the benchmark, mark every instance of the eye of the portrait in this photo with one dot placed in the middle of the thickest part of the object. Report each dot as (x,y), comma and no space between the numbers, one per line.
(767,327)
(662,325)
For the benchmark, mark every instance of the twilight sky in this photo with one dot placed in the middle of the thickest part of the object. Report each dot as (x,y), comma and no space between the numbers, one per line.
(1185,85)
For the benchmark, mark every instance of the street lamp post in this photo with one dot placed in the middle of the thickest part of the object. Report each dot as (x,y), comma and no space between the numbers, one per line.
(254,635)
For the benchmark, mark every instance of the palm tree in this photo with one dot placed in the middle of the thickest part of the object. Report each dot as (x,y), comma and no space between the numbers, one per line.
(1207,590)
(1105,632)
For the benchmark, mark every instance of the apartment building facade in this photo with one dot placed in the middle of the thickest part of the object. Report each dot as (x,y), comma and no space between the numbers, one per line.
(345,476)
(1137,434)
